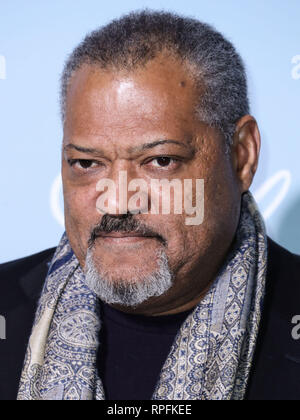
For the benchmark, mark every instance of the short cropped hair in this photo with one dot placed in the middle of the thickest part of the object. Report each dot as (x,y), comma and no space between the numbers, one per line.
(136,38)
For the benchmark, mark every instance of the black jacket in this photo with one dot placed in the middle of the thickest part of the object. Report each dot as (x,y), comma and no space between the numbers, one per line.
(276,368)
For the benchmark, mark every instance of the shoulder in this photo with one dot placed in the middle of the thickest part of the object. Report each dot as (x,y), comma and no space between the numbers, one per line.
(281,258)
(23,276)
(276,365)
(22,266)
(21,282)
(283,278)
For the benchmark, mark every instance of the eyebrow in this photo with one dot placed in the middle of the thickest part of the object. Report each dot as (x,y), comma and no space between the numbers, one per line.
(81,149)
(151,145)
(146,146)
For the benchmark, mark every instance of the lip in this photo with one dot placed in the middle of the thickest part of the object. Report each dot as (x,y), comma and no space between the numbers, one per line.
(124,235)
(119,238)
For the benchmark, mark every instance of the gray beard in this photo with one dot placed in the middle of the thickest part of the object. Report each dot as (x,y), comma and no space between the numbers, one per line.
(128,294)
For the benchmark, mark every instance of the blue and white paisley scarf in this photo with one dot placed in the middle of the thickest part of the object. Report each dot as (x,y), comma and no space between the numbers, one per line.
(210,358)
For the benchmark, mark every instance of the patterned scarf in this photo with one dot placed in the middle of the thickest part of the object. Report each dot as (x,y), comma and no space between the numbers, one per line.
(210,358)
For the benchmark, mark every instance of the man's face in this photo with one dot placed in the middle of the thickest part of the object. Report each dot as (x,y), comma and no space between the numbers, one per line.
(117,121)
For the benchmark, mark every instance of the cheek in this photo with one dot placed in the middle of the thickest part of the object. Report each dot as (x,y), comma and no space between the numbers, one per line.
(189,244)
(222,209)
(181,240)
(222,198)
(80,212)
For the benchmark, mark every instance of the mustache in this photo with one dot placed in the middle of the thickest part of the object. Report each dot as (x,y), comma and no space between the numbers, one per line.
(122,223)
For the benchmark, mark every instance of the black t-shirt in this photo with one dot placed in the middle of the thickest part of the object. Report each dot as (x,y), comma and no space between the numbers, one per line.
(133,351)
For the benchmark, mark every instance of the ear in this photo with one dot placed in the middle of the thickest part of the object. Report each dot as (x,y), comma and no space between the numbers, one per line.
(246,148)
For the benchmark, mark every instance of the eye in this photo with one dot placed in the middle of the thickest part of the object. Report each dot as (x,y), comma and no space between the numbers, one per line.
(164,163)
(83,164)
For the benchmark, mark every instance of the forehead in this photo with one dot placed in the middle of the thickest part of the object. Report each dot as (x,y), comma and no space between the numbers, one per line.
(158,96)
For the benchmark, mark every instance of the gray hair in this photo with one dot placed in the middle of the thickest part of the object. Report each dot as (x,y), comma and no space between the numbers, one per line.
(124,293)
(138,37)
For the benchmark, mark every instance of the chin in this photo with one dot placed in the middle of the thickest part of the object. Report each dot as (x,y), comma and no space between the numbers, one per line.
(126,284)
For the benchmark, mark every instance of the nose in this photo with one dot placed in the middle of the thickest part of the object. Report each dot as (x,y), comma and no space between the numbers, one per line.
(122,193)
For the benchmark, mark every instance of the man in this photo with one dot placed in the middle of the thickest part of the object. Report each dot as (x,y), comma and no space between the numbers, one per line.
(140,302)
